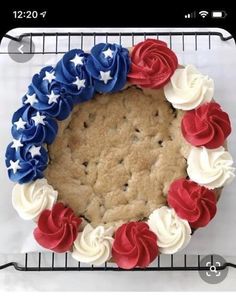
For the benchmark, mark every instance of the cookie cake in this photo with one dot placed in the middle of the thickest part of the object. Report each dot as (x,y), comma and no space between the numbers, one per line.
(119,154)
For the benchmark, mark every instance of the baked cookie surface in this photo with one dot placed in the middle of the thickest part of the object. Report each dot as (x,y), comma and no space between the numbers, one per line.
(115,156)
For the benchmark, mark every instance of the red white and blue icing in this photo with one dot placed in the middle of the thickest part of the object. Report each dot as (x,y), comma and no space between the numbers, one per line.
(108,65)
(51,96)
(107,68)
(57,228)
(32,126)
(71,72)
(25,162)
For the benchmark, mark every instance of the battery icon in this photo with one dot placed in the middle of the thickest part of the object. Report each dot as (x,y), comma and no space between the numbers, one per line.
(218,14)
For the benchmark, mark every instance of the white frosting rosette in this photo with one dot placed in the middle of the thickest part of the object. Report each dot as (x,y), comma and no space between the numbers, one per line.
(173,233)
(188,88)
(210,167)
(30,199)
(93,245)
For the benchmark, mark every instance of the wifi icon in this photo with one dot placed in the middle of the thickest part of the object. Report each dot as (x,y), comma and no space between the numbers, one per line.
(203,13)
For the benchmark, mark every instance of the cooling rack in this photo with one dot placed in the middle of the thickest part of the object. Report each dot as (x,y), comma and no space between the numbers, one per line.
(163,263)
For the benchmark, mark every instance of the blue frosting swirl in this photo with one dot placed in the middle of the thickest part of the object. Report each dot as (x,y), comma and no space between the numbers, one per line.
(68,70)
(62,104)
(115,62)
(52,94)
(32,132)
(30,167)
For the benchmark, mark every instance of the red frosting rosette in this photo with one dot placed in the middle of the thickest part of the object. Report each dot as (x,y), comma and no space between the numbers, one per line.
(207,126)
(134,245)
(57,228)
(192,202)
(152,64)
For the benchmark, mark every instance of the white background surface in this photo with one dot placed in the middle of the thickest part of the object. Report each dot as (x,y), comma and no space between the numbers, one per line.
(218,237)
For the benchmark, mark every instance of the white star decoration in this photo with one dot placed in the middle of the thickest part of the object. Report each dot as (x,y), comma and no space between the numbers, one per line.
(77,60)
(52,98)
(49,76)
(14,165)
(80,83)
(35,150)
(16,144)
(31,99)
(20,124)
(39,119)
(108,53)
(105,76)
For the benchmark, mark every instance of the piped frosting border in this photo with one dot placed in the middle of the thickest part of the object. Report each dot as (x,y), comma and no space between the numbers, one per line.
(78,75)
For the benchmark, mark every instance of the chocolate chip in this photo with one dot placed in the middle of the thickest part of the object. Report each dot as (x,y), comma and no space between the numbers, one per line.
(125,186)
(85,125)
(174,111)
(137,130)
(85,218)
(85,163)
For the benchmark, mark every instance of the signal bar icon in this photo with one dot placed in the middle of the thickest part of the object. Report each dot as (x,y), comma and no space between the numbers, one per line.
(190,15)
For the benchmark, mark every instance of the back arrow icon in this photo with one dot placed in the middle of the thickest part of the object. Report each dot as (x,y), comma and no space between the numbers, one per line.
(20,49)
